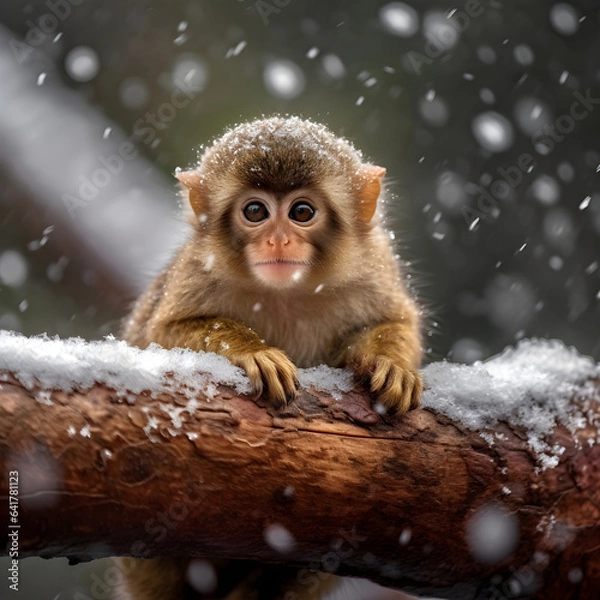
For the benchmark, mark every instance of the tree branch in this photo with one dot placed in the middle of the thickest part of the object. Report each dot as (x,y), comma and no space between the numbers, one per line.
(105,473)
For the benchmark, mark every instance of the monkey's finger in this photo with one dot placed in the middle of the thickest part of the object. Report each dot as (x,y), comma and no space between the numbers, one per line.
(411,390)
(286,373)
(289,387)
(408,385)
(380,374)
(400,390)
(395,394)
(253,372)
(417,391)
(289,379)
(274,390)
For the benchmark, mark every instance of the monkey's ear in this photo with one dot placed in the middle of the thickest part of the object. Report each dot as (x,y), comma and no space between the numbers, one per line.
(192,181)
(371,176)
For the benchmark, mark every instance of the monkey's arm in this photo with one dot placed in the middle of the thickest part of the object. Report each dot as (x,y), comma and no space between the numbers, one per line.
(388,356)
(269,369)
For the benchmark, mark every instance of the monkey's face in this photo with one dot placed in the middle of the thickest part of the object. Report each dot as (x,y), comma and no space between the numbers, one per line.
(284,204)
(280,236)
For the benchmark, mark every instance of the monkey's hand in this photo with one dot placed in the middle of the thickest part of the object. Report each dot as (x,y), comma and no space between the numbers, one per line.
(386,358)
(398,387)
(270,371)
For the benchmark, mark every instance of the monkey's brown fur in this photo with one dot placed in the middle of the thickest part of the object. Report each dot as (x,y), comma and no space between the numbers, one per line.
(227,290)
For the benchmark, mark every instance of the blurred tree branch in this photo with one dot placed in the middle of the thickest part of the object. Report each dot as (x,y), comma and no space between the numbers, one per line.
(65,164)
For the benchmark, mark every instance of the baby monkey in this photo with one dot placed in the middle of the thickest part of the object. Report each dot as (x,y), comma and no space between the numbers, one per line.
(288,266)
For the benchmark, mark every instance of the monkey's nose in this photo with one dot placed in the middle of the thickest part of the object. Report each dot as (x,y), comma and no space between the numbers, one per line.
(278,240)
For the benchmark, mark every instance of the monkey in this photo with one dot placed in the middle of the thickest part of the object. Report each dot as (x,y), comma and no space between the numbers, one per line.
(287,266)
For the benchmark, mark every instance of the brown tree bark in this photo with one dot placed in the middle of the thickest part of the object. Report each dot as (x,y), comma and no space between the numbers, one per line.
(392,502)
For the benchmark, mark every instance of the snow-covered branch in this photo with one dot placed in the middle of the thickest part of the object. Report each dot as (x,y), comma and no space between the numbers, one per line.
(492,490)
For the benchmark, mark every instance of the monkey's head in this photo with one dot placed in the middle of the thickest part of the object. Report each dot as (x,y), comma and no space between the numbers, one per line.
(284,200)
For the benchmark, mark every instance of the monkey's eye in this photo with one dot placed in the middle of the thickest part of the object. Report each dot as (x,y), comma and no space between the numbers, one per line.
(302,212)
(255,212)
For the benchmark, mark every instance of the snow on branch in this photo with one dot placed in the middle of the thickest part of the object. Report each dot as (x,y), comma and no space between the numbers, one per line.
(493,486)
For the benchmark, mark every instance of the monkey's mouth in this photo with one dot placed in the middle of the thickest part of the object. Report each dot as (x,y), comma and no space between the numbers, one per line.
(280,261)
(280,271)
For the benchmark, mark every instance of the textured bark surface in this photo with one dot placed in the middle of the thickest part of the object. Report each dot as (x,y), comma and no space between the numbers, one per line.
(99,476)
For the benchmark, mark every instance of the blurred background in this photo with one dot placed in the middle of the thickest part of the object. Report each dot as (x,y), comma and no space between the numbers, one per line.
(486,114)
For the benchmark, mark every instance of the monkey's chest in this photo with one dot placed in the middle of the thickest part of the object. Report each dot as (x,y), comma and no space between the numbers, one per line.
(309,340)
